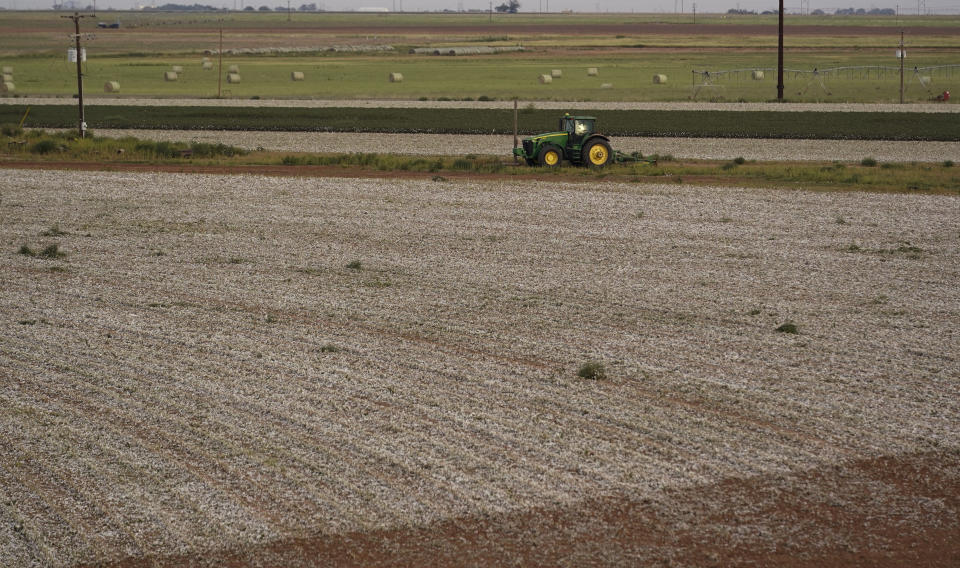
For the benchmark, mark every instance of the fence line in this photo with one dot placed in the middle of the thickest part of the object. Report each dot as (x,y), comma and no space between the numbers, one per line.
(715,79)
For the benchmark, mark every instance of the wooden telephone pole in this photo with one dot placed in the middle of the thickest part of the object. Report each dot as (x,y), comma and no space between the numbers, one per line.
(82,127)
(780,54)
(901,54)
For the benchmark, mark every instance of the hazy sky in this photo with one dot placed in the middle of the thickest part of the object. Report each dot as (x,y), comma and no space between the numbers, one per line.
(908,7)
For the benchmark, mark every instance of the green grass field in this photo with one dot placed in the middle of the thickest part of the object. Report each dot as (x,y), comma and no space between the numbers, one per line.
(148,44)
(629,77)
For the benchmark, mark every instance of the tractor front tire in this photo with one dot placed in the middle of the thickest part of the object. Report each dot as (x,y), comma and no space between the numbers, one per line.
(549,157)
(597,154)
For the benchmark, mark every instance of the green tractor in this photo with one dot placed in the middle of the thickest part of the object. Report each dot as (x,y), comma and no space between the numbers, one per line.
(577,141)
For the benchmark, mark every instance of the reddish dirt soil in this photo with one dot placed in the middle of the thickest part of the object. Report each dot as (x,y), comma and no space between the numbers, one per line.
(265,170)
(870,513)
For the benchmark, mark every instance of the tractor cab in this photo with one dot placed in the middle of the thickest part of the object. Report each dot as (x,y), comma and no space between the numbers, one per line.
(577,128)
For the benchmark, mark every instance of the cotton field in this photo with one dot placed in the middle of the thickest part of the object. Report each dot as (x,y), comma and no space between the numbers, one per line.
(241,369)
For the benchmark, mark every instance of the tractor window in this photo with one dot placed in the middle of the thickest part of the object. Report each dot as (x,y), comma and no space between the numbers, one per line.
(581,128)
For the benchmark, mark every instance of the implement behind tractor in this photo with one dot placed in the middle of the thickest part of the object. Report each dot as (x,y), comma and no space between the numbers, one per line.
(577,141)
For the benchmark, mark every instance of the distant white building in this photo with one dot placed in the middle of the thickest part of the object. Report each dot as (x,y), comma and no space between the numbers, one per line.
(372,9)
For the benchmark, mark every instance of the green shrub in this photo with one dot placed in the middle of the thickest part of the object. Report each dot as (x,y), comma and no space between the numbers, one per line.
(165,149)
(739,160)
(11,130)
(462,164)
(593,370)
(44,146)
(354,265)
(948,164)
(868,162)
(207,150)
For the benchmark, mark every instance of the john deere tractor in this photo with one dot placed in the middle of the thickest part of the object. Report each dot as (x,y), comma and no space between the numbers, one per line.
(576,141)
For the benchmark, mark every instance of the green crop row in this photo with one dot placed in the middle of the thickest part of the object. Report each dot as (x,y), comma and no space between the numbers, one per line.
(722,124)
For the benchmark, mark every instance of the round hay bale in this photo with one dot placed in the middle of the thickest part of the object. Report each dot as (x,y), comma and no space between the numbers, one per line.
(233,69)
(233,77)
(556,73)
(205,59)
(606,85)
(7,70)
(7,87)
(756,75)
(8,77)
(177,68)
(546,79)
(659,79)
(111,87)
(396,77)
(296,76)
(169,76)
(592,72)
(207,66)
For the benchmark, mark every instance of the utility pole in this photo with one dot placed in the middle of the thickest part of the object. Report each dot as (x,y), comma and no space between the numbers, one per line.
(76,22)
(901,53)
(220,61)
(515,124)
(694,12)
(780,54)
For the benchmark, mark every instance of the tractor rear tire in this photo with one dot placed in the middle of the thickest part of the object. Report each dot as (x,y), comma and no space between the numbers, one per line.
(597,154)
(550,157)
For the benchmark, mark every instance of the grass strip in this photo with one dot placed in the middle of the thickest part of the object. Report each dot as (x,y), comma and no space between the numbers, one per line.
(39,147)
(720,124)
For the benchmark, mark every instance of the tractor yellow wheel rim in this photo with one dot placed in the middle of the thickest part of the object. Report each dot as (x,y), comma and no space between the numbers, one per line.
(551,158)
(598,155)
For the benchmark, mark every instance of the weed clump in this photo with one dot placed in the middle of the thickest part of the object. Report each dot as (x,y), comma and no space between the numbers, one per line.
(11,130)
(53,231)
(354,265)
(592,370)
(49,251)
(788,327)
(868,162)
(43,147)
